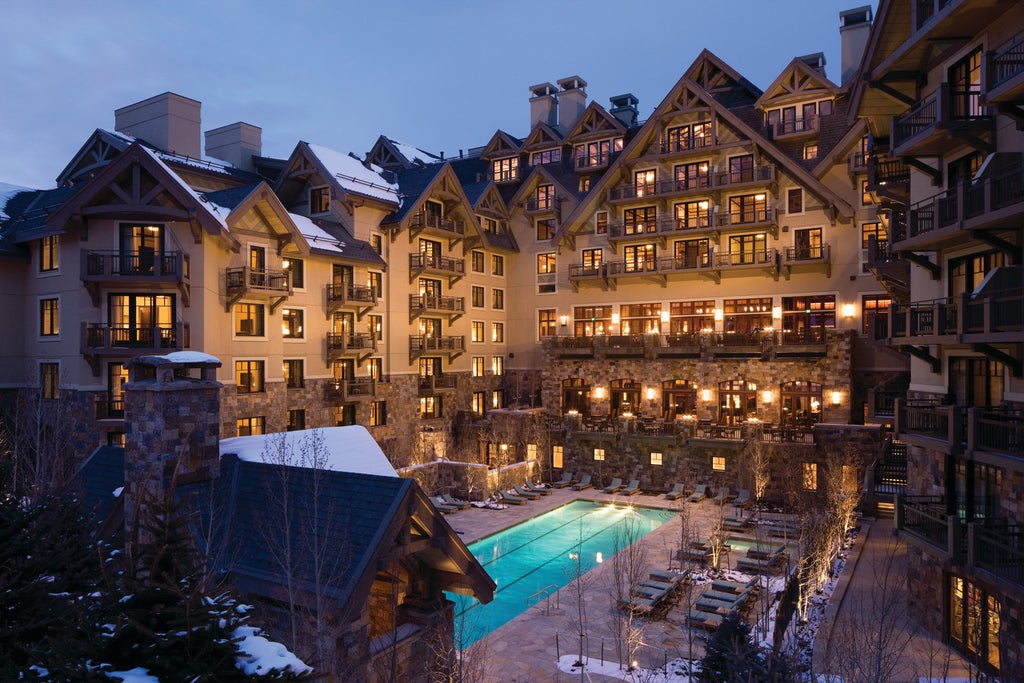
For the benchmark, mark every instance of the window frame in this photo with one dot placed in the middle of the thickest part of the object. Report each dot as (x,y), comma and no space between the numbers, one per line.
(49,254)
(293,379)
(259,321)
(497,265)
(322,194)
(293,321)
(293,265)
(477,261)
(256,370)
(497,332)
(49,380)
(49,320)
(497,298)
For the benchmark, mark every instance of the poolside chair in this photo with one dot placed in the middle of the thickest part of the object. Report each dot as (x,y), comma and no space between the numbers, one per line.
(724,494)
(529,495)
(674,578)
(510,499)
(706,620)
(441,506)
(727,586)
(583,483)
(614,486)
(542,490)
(566,480)
(676,493)
(632,489)
(457,502)
(743,499)
(699,493)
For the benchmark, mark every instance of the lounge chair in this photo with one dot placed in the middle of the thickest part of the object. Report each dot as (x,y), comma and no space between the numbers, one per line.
(706,620)
(583,483)
(736,599)
(542,490)
(668,577)
(676,493)
(510,499)
(528,495)
(743,499)
(737,523)
(457,502)
(566,480)
(724,494)
(614,486)
(727,586)
(699,493)
(632,489)
(441,506)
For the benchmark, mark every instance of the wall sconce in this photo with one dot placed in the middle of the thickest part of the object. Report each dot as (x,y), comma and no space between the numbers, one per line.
(598,392)
(719,315)
(564,320)
(837,397)
(651,393)
(767,397)
(615,318)
(777,313)
(705,395)
(849,310)
(664,317)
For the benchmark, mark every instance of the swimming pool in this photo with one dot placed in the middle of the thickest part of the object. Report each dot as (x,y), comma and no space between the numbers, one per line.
(535,555)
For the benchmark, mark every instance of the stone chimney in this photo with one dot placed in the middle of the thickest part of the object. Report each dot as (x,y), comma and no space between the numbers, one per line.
(169,121)
(172,421)
(816,61)
(854,30)
(543,104)
(624,109)
(572,100)
(235,143)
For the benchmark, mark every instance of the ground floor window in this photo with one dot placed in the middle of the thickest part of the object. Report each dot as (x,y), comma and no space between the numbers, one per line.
(625,396)
(679,397)
(591,320)
(801,404)
(575,396)
(687,317)
(747,315)
(974,622)
(378,413)
(556,457)
(296,419)
(251,426)
(805,318)
(430,407)
(737,401)
(346,415)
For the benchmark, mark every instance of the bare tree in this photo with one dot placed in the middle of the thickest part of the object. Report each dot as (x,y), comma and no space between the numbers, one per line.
(718,537)
(455,663)
(759,461)
(629,566)
(579,583)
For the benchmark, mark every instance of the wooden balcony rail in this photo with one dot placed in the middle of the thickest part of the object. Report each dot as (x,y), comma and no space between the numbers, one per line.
(347,292)
(425,220)
(173,265)
(816,252)
(589,270)
(685,144)
(108,408)
(633,267)
(992,313)
(890,476)
(638,190)
(247,279)
(759,174)
(945,423)
(538,204)
(350,387)
(883,401)
(996,431)
(858,161)
(740,339)
(926,518)
(421,343)
(997,549)
(594,160)
(1006,62)
(991,194)
(763,257)
(435,382)
(430,302)
(947,103)
(807,124)
(883,171)
(937,317)
(445,264)
(749,217)
(351,341)
(99,336)
(681,340)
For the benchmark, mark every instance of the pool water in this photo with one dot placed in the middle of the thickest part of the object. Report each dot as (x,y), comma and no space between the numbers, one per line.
(538,556)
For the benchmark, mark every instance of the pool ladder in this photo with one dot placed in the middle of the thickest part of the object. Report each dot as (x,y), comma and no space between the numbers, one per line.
(543,594)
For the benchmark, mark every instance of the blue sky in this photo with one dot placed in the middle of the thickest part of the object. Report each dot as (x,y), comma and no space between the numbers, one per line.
(441,74)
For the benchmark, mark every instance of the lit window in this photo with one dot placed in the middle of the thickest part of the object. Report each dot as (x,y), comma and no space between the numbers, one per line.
(296,420)
(378,413)
(601,223)
(477,331)
(531,451)
(249,320)
(293,373)
(556,457)
(477,297)
(655,458)
(545,263)
(498,333)
(795,200)
(297,268)
(251,426)
(49,380)
(291,323)
(498,398)
(498,299)
(498,365)
(479,402)
(811,476)
(598,454)
(374,322)
(478,366)
(546,326)
(376,282)
(49,253)
(545,229)
(319,200)
(718,463)
(49,317)
(810,152)
(865,196)
(249,376)
(377,242)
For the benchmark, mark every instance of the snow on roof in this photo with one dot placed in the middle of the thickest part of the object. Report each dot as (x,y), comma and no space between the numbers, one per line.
(414,153)
(345,449)
(6,192)
(191,357)
(315,235)
(218,212)
(355,177)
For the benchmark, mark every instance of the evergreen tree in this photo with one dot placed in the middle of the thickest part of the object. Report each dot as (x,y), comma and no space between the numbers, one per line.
(733,658)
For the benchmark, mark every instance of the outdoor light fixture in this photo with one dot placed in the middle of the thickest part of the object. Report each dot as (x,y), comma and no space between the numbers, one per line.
(848,310)
(766,397)
(664,317)
(705,395)
(719,315)
(564,320)
(598,392)
(651,393)
(615,318)
(837,397)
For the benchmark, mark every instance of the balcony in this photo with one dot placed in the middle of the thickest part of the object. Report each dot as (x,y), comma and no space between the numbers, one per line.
(682,345)
(931,425)
(805,343)
(807,258)
(105,407)
(539,206)
(452,306)
(359,344)
(997,549)
(100,340)
(593,162)
(793,128)
(757,176)
(506,175)
(274,286)
(625,346)
(995,434)
(454,268)
(659,269)
(762,259)
(946,117)
(753,219)
(420,344)
(927,520)
(363,297)
(1004,75)
(571,347)
(888,179)
(700,185)
(115,268)
(682,146)
(739,344)
(857,163)
(351,389)
(422,222)
(440,383)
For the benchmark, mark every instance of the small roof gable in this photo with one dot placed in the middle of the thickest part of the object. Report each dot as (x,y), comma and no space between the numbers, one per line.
(329,238)
(438,181)
(27,213)
(540,175)
(594,122)
(541,137)
(99,149)
(719,79)
(500,145)
(797,81)
(392,155)
(352,176)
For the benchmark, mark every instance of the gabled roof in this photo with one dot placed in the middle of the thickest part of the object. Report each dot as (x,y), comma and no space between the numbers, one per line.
(348,178)
(99,149)
(798,81)
(329,238)
(541,137)
(27,211)
(841,148)
(501,144)
(537,176)
(595,122)
(438,181)
(138,183)
(720,80)
(392,155)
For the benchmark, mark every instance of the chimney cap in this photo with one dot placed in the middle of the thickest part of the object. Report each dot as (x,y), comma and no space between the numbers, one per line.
(625,100)
(543,89)
(855,17)
(572,83)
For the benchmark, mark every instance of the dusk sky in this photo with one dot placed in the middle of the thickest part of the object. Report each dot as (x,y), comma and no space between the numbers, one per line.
(441,75)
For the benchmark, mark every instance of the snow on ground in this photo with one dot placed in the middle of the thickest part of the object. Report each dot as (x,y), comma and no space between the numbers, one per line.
(676,671)
(257,655)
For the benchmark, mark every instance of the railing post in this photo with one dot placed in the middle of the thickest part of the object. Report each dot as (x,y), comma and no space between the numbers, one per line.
(973,441)
(972,555)
(897,516)
(954,538)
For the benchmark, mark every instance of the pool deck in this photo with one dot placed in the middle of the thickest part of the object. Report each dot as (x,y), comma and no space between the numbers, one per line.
(527,648)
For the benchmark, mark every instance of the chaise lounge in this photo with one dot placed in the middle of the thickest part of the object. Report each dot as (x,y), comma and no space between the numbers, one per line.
(565,481)
(510,499)
(583,483)
(676,493)
(632,489)
(699,493)
(542,490)
(614,486)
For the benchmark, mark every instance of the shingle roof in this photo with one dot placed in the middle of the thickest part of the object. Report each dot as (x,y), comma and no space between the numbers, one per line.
(99,477)
(27,212)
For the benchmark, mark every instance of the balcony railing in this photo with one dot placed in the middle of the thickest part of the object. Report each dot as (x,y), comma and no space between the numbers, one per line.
(998,549)
(996,431)
(430,302)
(1006,63)
(353,387)
(587,161)
(857,162)
(759,174)
(926,518)
(685,145)
(350,342)
(107,408)
(934,318)
(947,424)
(146,266)
(947,106)
(761,257)
(442,264)
(439,382)
(816,252)
(585,271)
(541,204)
(98,338)
(741,218)
(425,343)
(249,280)
(884,172)
(782,129)
(348,293)
(423,220)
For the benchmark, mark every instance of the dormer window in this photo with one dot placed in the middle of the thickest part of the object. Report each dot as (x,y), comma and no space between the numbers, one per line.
(319,200)
(691,136)
(488,224)
(593,154)
(645,182)
(505,170)
(795,119)
(545,197)
(548,156)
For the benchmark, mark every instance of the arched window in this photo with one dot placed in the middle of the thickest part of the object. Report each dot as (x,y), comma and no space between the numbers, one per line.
(625,396)
(678,397)
(801,404)
(575,395)
(737,401)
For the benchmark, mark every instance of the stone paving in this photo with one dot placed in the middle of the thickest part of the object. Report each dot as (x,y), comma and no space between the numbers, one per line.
(527,648)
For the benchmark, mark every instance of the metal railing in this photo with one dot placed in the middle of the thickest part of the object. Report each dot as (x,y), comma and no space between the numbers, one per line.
(926,518)
(347,292)
(419,342)
(428,302)
(1006,62)
(100,336)
(247,279)
(998,549)
(426,220)
(117,264)
(446,264)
